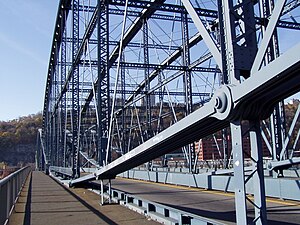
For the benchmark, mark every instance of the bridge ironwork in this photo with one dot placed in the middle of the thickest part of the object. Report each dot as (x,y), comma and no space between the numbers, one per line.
(130,81)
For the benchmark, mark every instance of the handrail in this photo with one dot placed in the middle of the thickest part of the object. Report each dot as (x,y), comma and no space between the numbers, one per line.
(10,188)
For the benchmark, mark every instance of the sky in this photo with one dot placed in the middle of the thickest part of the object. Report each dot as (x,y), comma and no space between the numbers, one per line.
(26,31)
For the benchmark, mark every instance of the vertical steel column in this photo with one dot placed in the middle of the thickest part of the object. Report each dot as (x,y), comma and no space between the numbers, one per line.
(51,144)
(50,120)
(238,49)
(63,100)
(38,153)
(277,131)
(54,139)
(237,39)
(265,7)
(258,173)
(57,136)
(46,135)
(103,81)
(123,98)
(148,130)
(102,192)
(75,91)
(239,176)
(109,191)
(47,121)
(186,62)
(227,34)
(278,134)
(187,83)
(161,99)
(44,139)
(224,79)
(48,140)
(277,118)
(56,113)
(42,142)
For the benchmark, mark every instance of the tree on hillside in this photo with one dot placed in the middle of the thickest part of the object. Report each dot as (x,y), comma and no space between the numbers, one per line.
(15,135)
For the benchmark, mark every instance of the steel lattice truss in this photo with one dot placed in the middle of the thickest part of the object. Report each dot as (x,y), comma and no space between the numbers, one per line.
(129,81)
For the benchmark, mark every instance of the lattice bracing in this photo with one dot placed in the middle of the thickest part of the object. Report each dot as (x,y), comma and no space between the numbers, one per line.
(131,81)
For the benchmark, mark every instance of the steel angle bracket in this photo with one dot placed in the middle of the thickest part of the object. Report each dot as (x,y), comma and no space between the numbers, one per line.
(256,97)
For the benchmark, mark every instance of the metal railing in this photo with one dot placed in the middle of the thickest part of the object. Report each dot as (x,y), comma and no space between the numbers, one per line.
(10,188)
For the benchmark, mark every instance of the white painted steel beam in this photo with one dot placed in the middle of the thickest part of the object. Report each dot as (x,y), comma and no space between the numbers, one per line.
(283,163)
(238,166)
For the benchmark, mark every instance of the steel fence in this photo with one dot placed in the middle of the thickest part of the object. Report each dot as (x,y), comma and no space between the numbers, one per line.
(10,188)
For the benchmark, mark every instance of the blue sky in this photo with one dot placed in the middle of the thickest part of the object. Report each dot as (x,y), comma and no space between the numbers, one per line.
(26,29)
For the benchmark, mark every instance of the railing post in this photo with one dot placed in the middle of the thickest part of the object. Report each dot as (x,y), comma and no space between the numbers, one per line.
(109,191)
(8,186)
(102,193)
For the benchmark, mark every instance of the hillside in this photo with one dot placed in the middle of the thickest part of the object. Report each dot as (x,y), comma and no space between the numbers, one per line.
(18,139)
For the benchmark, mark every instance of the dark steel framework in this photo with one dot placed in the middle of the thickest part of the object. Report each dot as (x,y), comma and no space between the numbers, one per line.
(129,81)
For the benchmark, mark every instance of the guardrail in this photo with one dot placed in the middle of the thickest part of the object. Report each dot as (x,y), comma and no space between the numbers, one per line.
(10,188)
(283,188)
(158,212)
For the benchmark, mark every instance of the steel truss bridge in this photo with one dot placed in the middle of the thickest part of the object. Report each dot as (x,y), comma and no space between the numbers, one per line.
(130,81)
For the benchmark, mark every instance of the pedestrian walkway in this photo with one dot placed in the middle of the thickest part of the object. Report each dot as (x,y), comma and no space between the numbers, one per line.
(44,201)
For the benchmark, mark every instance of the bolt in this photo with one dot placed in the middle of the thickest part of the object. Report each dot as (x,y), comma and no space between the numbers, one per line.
(218,103)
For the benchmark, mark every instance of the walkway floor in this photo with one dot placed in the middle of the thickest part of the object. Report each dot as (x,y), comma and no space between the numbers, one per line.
(44,201)
(216,205)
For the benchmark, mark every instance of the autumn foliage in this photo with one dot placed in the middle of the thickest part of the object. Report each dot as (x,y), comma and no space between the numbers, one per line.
(18,138)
